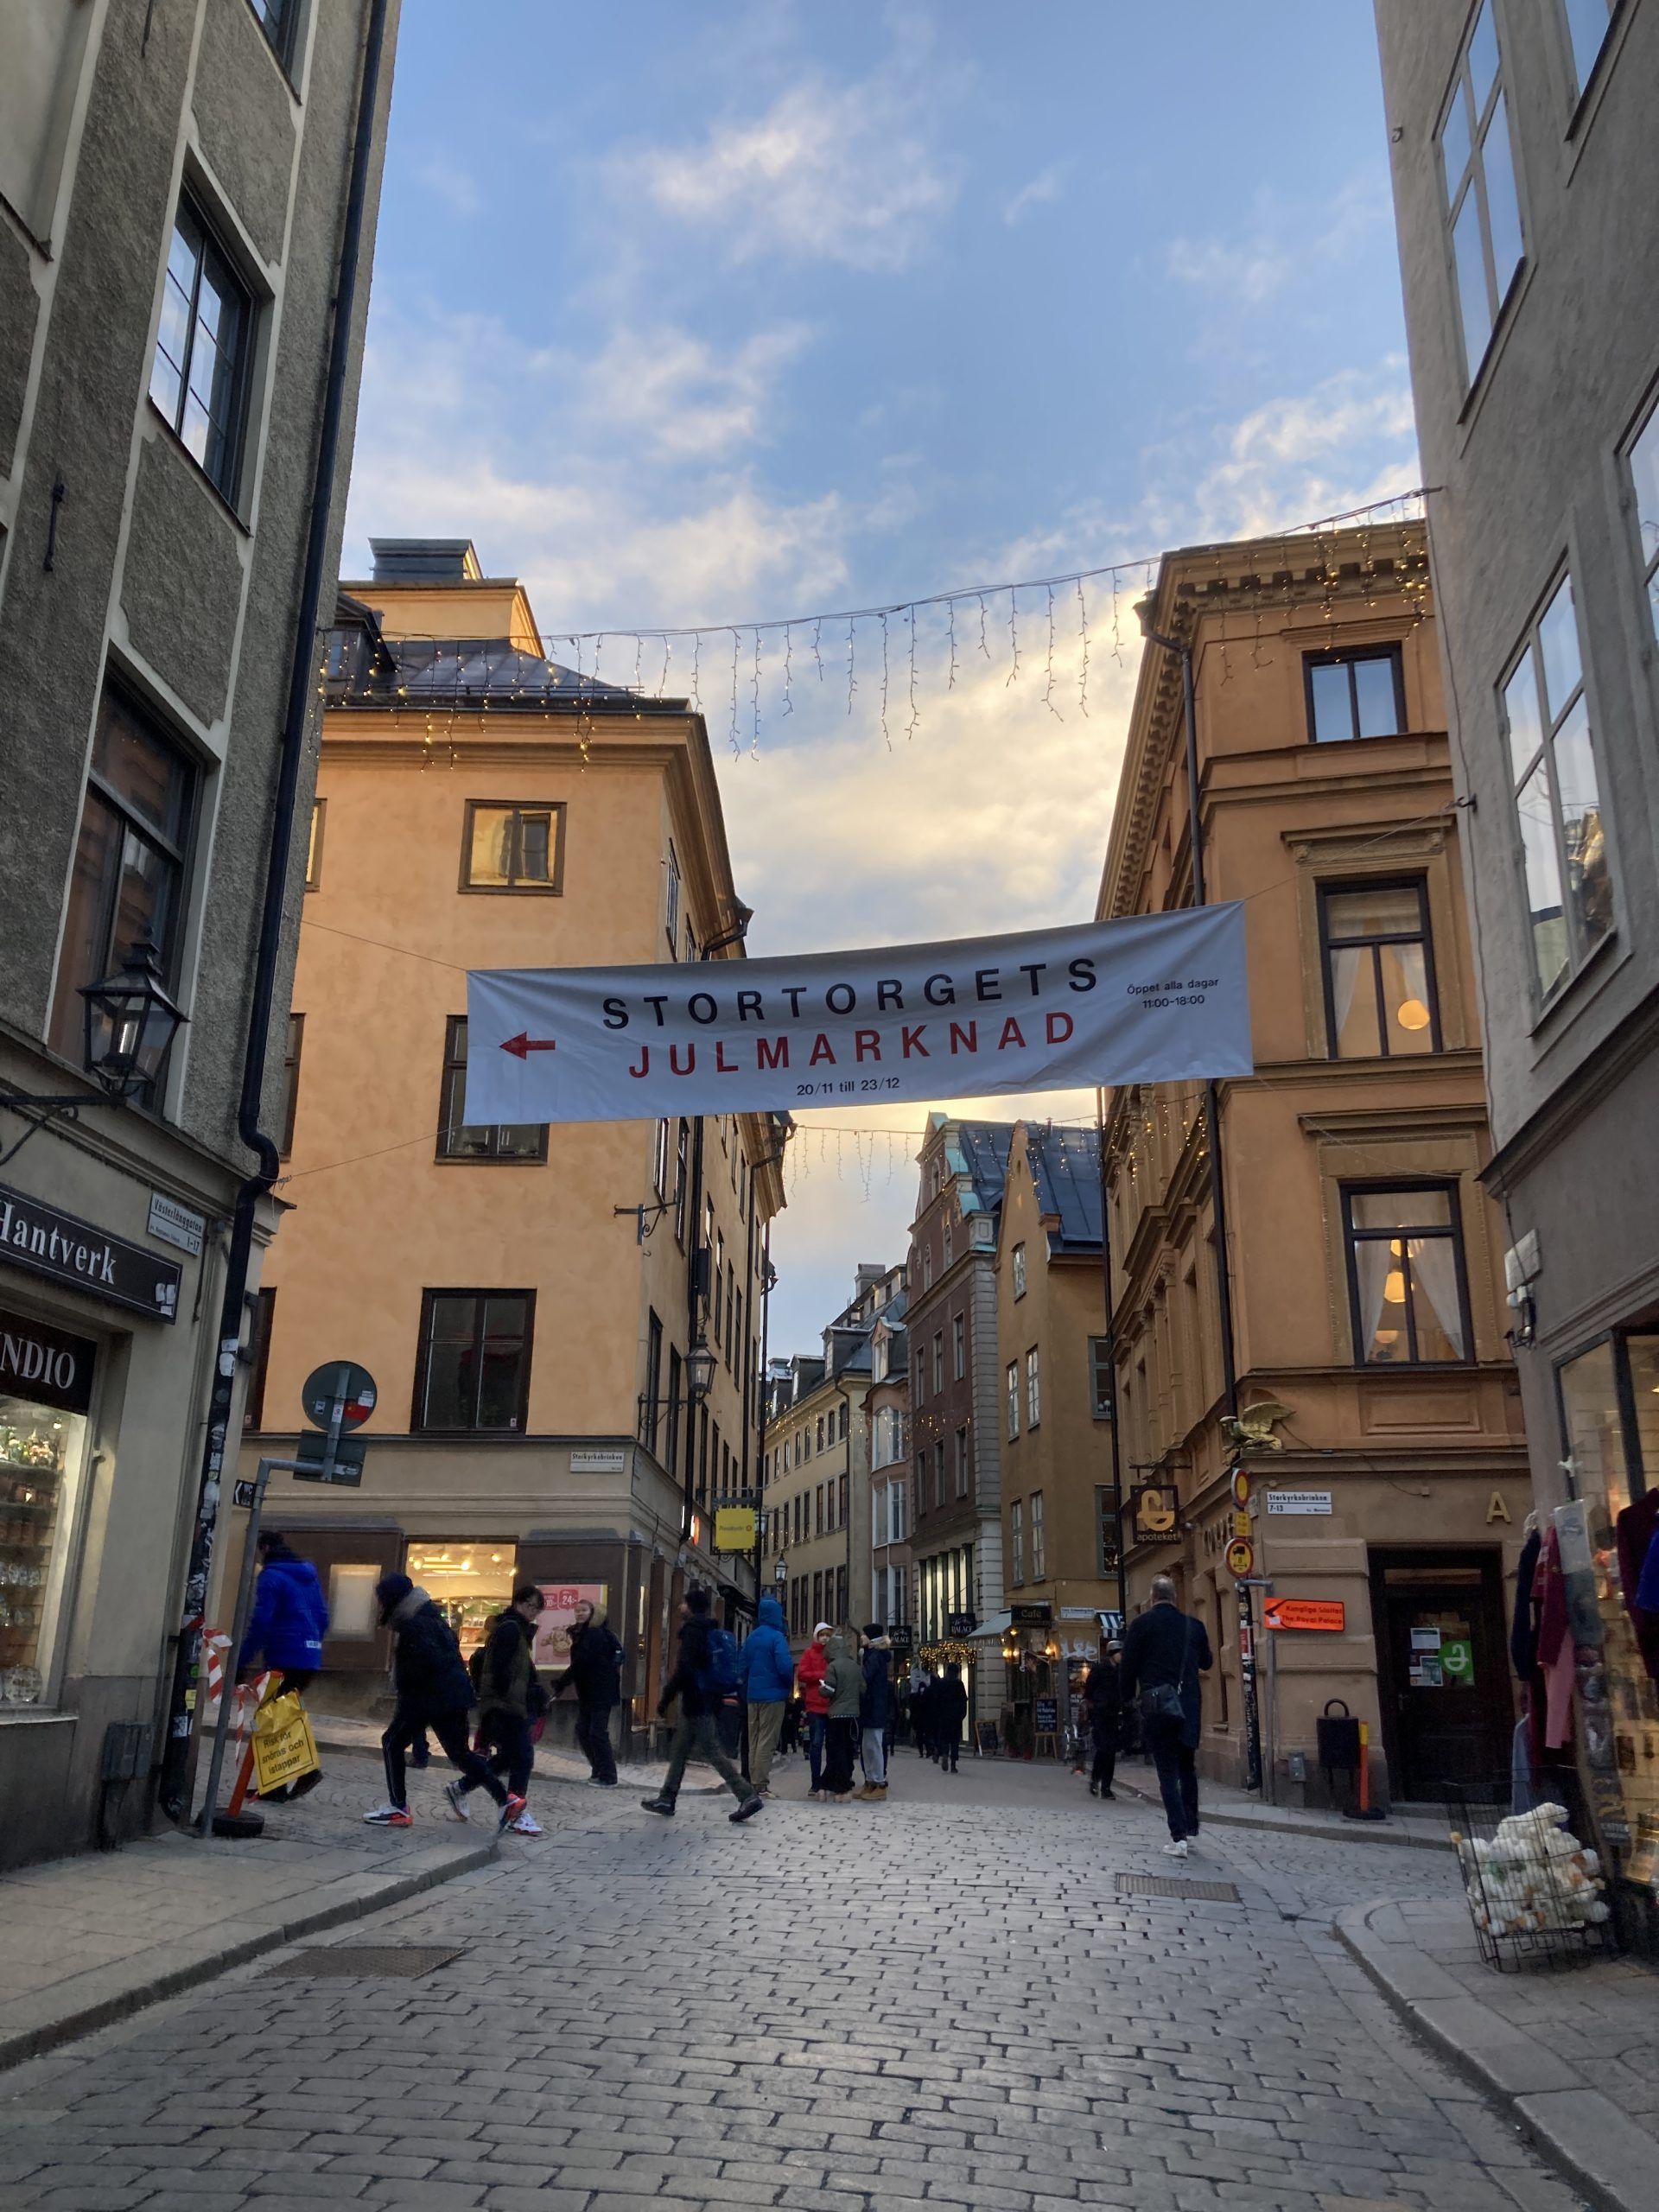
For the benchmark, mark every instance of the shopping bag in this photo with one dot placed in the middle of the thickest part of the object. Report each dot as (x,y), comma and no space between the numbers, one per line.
(283,1746)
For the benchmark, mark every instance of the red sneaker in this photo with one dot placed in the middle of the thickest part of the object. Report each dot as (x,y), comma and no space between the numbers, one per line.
(510,1813)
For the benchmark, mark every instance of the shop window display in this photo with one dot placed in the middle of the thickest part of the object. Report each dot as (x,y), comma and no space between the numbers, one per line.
(470,1583)
(44,1378)
(1609,1395)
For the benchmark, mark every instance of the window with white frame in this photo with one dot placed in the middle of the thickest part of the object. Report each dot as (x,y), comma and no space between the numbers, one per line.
(959,1346)
(1033,1389)
(1644,477)
(1038,1556)
(1017,1543)
(895,1513)
(1012,1380)
(1019,1270)
(1482,205)
(1564,855)
(1587,25)
(927,1266)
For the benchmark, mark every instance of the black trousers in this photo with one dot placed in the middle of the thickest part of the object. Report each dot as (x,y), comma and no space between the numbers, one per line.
(1177,1776)
(594,1740)
(1105,1764)
(512,1752)
(949,1748)
(841,1749)
(411,1721)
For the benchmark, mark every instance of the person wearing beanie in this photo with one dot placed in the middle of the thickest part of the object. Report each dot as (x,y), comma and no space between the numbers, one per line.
(875,1709)
(434,1692)
(767,1667)
(699,1687)
(843,1683)
(815,1665)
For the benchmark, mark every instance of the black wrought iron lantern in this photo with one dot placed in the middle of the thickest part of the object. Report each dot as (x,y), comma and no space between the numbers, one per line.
(130,1023)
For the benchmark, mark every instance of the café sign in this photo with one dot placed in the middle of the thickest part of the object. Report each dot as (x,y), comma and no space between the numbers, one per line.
(66,1250)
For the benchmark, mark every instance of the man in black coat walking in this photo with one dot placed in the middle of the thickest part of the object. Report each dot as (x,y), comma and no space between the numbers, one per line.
(595,1673)
(1102,1697)
(1164,1653)
(696,1688)
(434,1690)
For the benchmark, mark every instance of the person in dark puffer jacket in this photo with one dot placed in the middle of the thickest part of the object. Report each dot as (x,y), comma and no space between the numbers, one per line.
(595,1675)
(434,1690)
(511,1699)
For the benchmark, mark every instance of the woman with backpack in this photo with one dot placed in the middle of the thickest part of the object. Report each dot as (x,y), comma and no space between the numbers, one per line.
(595,1671)
(705,1677)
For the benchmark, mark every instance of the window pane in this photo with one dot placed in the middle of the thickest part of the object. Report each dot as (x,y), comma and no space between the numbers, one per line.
(1353,1002)
(1455,142)
(1472,301)
(1375,910)
(1334,715)
(1436,1312)
(1405,999)
(504,1353)
(1543,876)
(460,1140)
(450,1377)
(1558,634)
(1522,712)
(1483,58)
(535,846)
(85,932)
(1644,1388)
(143,900)
(1401,1210)
(1595,1435)
(1588,876)
(492,847)
(1586,23)
(1645,472)
(144,771)
(1382,1333)
(1379,711)
(1503,201)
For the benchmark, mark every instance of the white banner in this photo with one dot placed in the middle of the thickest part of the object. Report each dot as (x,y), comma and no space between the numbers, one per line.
(1150,1000)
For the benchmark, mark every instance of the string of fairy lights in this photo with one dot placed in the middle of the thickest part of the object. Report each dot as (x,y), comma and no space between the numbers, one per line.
(750,676)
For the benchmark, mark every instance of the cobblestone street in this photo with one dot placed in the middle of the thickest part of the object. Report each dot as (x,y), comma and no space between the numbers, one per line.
(945,2000)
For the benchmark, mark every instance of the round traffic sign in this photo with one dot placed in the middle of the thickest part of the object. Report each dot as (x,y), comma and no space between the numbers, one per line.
(1240,1558)
(339,1379)
(1240,1487)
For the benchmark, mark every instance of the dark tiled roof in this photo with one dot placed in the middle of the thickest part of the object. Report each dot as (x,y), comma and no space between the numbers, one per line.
(463,670)
(981,1150)
(1066,1168)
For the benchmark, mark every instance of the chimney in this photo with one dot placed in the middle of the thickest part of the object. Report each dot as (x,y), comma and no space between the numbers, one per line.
(424,561)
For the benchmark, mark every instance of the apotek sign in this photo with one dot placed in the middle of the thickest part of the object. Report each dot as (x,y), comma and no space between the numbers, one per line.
(1151,998)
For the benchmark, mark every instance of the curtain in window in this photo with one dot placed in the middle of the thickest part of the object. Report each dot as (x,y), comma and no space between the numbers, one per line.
(1434,1282)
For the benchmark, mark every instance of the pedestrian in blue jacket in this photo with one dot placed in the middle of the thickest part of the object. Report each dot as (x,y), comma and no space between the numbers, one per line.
(767,1666)
(290,1620)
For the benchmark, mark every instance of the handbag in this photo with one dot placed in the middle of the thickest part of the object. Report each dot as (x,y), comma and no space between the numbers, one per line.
(1162,1700)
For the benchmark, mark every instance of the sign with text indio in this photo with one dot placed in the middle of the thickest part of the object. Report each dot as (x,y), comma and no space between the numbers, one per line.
(1153,998)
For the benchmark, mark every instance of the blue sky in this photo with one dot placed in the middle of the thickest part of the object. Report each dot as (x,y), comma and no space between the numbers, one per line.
(701,314)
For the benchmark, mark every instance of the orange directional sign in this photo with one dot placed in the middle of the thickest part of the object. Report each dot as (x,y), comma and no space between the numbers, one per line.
(1328,1614)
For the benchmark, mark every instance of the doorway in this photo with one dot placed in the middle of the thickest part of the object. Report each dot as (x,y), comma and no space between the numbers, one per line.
(1448,1709)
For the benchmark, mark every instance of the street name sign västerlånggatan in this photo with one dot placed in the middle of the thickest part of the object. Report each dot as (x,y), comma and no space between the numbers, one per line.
(1148,998)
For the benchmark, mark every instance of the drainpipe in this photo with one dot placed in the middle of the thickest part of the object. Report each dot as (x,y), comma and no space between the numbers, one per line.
(173,1789)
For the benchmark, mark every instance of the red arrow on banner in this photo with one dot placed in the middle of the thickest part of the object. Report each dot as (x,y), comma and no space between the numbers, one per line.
(524,1044)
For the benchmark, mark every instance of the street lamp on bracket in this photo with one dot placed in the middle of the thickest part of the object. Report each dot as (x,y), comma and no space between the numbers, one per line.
(129,1023)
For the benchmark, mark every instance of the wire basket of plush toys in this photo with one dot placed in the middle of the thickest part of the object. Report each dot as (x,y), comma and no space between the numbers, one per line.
(1536,1895)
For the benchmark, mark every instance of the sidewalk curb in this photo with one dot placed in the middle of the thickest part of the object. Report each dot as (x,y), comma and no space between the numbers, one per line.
(348,1747)
(136,1989)
(1333,1831)
(1570,2123)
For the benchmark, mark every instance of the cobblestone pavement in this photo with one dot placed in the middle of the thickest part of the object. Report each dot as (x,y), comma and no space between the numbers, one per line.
(941,2001)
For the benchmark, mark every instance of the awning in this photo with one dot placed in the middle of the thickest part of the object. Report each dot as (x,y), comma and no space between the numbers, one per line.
(993,1631)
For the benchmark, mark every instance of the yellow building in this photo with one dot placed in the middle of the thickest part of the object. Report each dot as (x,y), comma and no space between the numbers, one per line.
(1060,1513)
(527,1300)
(1364,1256)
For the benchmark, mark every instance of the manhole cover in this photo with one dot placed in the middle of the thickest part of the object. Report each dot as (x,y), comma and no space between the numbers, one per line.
(1165,1885)
(337,1961)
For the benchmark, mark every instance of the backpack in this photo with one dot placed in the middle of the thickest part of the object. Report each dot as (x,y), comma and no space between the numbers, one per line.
(720,1673)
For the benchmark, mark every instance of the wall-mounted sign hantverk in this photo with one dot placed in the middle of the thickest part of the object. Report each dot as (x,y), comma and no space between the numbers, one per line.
(1152,999)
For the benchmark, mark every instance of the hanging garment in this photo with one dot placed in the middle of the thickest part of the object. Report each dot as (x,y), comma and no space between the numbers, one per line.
(1523,1628)
(1637,1532)
(1555,1655)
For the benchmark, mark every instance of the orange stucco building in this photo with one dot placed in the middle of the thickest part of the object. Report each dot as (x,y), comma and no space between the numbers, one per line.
(525,1298)
(1364,1254)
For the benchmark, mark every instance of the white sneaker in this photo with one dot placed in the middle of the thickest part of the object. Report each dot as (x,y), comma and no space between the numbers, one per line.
(1175,1850)
(389,1816)
(457,1798)
(525,1824)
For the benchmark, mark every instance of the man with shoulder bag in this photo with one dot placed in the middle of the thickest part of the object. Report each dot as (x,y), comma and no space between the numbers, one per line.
(1165,1652)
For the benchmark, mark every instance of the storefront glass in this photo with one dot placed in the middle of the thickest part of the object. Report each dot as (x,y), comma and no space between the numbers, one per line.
(471,1581)
(1608,1400)
(45,1390)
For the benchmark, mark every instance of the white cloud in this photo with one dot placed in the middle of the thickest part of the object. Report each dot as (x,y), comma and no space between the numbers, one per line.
(684,399)
(452,184)
(835,172)
(1252,272)
(1281,242)
(1044,187)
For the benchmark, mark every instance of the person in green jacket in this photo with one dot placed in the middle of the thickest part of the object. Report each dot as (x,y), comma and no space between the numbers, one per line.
(843,1683)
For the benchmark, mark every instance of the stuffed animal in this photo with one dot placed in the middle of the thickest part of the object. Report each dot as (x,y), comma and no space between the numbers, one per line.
(1532,1875)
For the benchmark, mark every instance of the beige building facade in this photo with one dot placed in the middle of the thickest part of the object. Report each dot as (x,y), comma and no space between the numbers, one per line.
(1364,1254)
(529,1300)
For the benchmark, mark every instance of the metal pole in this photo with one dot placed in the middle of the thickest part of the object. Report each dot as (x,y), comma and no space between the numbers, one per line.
(239,1628)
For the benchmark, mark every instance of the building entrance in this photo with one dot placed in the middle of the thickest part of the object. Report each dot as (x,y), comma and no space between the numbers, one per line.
(1448,1711)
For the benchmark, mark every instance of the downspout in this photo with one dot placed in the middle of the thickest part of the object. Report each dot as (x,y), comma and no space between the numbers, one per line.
(175,1752)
